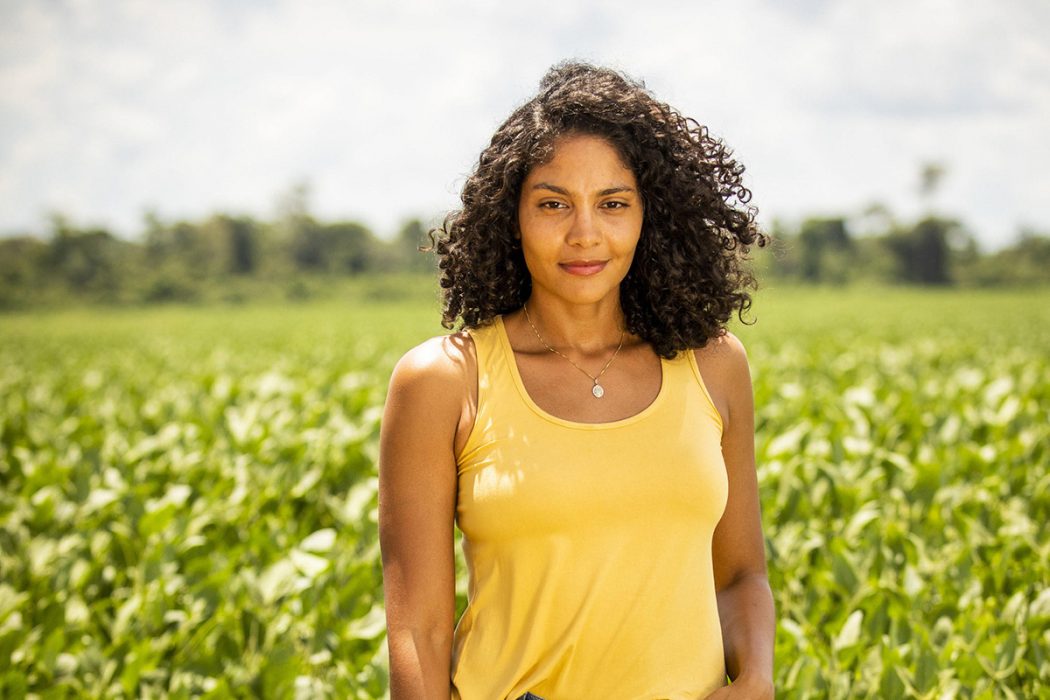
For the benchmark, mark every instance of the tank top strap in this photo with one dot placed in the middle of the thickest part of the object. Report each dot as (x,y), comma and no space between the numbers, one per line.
(495,376)
(689,376)
(495,383)
(486,346)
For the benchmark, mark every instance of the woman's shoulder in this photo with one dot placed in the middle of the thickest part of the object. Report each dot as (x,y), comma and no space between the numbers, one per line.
(441,361)
(723,366)
(724,351)
(435,384)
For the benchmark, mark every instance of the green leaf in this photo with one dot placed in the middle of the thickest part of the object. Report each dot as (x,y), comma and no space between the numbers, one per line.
(278,580)
(849,634)
(309,565)
(319,541)
(372,625)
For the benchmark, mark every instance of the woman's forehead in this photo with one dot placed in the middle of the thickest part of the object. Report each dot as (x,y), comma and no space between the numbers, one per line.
(581,153)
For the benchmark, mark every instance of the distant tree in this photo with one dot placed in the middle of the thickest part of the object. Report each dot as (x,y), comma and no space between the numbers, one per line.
(344,247)
(20,258)
(88,260)
(308,246)
(220,245)
(155,240)
(20,269)
(351,247)
(242,238)
(202,254)
(1025,263)
(234,240)
(825,250)
(922,252)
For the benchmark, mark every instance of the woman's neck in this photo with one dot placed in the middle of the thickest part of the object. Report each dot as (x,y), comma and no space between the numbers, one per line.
(585,328)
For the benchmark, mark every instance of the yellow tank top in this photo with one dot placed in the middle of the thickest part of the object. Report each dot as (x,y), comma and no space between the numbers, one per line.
(588,545)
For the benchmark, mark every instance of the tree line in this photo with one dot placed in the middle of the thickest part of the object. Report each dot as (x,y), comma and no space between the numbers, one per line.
(235,257)
(931,251)
(223,257)
(934,250)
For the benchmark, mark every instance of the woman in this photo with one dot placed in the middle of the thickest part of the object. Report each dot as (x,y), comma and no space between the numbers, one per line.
(591,429)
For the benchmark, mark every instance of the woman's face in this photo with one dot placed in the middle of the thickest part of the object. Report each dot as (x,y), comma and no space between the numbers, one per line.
(580,217)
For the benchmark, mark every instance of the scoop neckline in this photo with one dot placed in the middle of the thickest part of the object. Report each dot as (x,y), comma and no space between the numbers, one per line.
(508,353)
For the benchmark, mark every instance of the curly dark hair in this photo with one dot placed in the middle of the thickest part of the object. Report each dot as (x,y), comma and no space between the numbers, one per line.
(690,270)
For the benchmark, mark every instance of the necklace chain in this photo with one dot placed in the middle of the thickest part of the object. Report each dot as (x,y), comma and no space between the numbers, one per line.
(597,390)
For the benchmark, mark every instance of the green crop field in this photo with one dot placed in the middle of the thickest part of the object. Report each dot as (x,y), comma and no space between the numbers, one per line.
(188,495)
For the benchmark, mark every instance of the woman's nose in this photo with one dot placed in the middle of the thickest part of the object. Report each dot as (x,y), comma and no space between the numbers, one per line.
(584,231)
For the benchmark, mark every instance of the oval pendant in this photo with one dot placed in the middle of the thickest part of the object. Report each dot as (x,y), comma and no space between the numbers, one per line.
(598,391)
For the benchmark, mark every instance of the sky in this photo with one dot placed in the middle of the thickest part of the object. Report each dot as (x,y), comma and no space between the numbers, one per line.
(110,109)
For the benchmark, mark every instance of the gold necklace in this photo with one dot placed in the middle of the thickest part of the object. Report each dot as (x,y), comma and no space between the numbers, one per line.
(597,390)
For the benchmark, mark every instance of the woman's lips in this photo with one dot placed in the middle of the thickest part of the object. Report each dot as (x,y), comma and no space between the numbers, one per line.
(583,267)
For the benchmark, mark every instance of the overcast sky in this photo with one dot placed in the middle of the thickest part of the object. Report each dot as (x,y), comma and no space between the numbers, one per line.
(108,109)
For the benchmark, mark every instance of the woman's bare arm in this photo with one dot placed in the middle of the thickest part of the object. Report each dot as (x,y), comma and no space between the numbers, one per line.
(745,601)
(417,500)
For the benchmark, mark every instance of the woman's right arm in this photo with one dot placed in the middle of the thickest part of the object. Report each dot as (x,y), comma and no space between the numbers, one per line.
(417,501)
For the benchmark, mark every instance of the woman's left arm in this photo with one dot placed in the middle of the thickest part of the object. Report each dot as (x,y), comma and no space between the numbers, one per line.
(745,601)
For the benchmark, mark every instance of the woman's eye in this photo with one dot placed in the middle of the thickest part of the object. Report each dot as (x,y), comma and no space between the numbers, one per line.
(551,205)
(615,205)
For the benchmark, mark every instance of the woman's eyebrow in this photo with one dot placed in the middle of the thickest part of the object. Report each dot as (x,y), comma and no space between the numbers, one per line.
(563,191)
